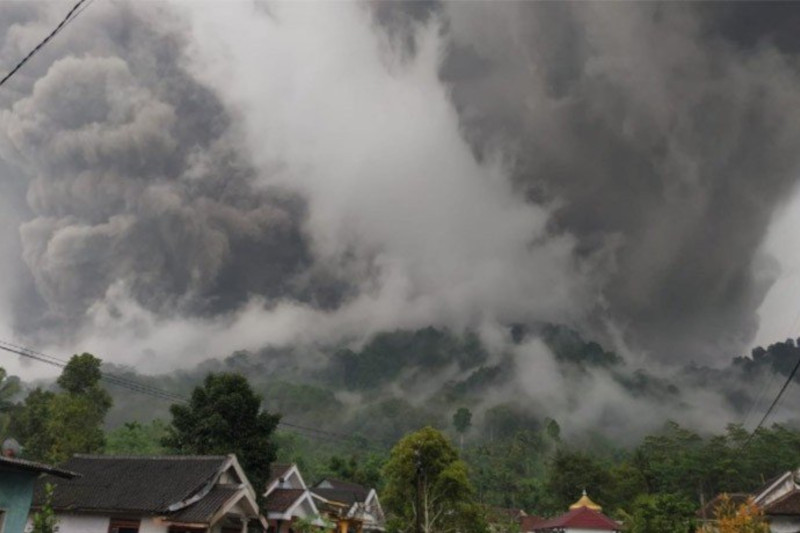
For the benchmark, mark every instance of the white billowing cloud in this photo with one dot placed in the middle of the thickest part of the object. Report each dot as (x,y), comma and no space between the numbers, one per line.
(780,312)
(373,141)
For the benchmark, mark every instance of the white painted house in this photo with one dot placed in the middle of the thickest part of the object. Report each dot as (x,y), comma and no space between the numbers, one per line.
(153,494)
(780,500)
(287,500)
(353,507)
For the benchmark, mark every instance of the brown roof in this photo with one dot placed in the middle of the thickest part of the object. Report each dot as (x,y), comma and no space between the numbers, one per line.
(788,504)
(280,500)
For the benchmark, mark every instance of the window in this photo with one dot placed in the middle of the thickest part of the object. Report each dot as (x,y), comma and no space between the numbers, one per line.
(123,526)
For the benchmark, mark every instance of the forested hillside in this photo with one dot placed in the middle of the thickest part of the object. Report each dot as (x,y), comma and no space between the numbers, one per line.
(402,380)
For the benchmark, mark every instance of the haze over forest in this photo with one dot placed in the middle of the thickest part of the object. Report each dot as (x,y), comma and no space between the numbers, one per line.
(582,211)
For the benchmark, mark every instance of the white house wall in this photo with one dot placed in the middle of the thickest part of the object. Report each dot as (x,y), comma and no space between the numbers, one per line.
(304,509)
(784,525)
(293,481)
(72,523)
(82,524)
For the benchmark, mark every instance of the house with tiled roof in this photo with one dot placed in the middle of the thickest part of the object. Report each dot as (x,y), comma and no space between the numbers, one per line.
(288,500)
(352,507)
(503,520)
(584,516)
(529,522)
(706,512)
(778,498)
(152,494)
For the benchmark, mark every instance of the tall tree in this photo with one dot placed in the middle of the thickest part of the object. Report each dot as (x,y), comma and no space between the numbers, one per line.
(661,513)
(30,424)
(462,421)
(570,472)
(134,438)
(54,426)
(9,388)
(427,486)
(223,416)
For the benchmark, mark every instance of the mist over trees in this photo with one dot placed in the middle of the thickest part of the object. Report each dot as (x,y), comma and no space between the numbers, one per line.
(225,416)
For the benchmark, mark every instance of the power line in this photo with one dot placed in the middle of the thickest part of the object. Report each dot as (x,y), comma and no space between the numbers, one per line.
(71,15)
(774,402)
(161,394)
(768,385)
(765,386)
(111,378)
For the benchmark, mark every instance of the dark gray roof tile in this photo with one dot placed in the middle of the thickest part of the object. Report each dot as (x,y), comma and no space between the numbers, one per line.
(13,463)
(203,510)
(145,484)
(280,500)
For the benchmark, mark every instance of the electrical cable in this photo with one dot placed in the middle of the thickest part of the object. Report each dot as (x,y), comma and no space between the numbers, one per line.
(774,403)
(71,15)
(162,394)
(767,386)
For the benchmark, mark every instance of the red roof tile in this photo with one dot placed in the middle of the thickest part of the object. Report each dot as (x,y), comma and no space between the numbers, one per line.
(582,517)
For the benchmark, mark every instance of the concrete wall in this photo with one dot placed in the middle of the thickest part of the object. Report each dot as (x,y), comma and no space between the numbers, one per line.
(16,492)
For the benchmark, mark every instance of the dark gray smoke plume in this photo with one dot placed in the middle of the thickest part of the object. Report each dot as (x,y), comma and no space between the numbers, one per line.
(664,135)
(256,173)
(135,179)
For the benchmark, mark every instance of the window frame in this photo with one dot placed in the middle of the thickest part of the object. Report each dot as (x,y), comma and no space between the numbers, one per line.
(115,524)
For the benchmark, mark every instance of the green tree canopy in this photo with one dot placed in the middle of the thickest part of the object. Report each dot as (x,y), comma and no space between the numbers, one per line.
(424,467)
(54,426)
(224,416)
(135,438)
(9,388)
(570,472)
(81,375)
(661,513)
